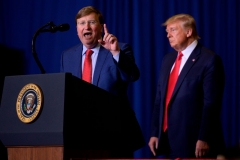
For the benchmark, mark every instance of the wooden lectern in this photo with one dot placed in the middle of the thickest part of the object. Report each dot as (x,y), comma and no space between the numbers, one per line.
(75,120)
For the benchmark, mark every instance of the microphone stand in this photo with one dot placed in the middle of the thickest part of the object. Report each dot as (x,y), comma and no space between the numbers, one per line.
(33,45)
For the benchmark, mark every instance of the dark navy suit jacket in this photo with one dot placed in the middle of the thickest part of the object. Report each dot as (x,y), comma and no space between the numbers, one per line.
(195,105)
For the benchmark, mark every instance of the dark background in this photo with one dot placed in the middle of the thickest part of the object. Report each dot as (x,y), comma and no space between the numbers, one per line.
(137,22)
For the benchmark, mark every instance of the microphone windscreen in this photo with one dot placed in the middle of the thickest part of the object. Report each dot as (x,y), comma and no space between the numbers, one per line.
(63,27)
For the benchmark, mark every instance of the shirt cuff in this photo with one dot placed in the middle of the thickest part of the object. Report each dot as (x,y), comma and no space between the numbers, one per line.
(116,57)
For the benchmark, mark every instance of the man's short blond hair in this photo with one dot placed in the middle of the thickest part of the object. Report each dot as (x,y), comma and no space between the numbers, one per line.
(187,22)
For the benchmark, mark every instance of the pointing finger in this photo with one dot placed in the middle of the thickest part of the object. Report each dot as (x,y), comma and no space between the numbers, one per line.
(105,29)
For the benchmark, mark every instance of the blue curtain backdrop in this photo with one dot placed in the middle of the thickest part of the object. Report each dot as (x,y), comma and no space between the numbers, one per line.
(137,22)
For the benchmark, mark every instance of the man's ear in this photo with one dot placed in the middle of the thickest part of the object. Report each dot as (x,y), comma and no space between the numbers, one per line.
(189,32)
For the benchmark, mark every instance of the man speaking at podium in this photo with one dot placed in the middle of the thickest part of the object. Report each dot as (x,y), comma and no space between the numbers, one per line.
(101,60)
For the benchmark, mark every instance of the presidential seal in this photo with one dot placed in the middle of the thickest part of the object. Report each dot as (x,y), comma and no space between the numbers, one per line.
(29,103)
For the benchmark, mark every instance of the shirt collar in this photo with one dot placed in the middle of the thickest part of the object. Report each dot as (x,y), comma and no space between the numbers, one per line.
(190,48)
(95,49)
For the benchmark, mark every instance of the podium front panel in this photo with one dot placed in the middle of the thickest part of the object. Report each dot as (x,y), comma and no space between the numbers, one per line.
(47,128)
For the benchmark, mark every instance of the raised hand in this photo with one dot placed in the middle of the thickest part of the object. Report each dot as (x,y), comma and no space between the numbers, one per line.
(109,41)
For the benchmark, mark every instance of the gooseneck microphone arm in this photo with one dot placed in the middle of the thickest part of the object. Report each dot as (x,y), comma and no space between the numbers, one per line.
(34,50)
(53,28)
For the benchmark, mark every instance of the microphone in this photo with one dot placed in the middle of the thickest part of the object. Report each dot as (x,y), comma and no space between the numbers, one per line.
(53,28)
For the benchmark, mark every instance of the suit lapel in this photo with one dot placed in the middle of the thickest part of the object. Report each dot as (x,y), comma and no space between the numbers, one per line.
(102,55)
(168,66)
(188,65)
(168,62)
(79,59)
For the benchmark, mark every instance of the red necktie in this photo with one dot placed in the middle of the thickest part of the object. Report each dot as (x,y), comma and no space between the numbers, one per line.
(171,84)
(87,68)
